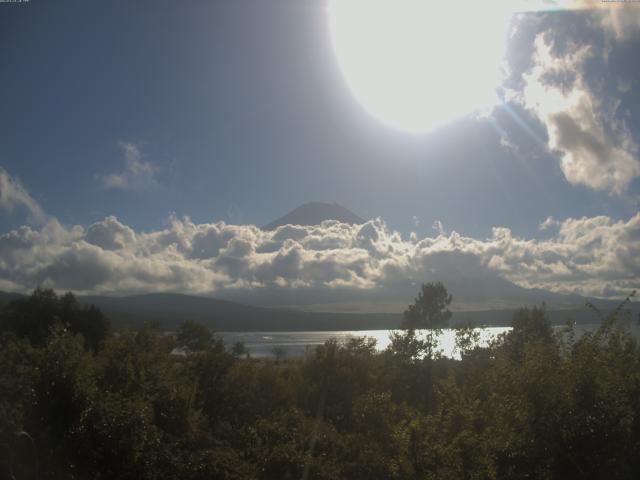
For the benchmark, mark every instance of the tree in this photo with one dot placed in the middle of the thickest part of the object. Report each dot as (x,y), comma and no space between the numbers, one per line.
(88,321)
(430,309)
(194,336)
(32,317)
(239,349)
(430,312)
(279,352)
(35,316)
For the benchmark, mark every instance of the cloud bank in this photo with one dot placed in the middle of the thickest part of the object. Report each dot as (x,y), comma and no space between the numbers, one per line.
(591,256)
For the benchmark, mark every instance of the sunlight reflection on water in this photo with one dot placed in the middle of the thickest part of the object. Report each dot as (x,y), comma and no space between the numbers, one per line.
(296,344)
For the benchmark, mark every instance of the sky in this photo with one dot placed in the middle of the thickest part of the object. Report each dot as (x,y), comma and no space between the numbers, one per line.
(141,142)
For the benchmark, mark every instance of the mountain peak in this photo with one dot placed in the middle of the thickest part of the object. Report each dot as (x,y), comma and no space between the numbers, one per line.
(314,213)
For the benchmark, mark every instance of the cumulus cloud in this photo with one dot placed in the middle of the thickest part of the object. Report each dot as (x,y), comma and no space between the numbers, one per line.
(14,195)
(138,174)
(550,222)
(619,18)
(594,144)
(594,256)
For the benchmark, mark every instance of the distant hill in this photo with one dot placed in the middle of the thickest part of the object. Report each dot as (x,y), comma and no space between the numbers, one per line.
(471,292)
(169,310)
(6,297)
(315,213)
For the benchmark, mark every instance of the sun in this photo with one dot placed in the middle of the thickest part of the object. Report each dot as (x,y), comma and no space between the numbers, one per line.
(419,64)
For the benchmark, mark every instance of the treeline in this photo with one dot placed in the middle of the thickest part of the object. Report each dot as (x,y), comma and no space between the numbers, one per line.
(100,404)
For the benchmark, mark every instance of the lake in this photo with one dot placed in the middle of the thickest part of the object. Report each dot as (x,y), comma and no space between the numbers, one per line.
(296,344)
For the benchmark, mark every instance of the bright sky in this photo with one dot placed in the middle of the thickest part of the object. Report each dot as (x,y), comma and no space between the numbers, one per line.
(150,111)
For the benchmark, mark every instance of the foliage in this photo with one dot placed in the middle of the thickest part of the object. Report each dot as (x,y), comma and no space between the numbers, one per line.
(537,403)
(34,318)
(430,309)
(194,336)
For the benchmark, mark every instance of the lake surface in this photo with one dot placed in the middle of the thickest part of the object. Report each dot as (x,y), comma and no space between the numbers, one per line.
(296,344)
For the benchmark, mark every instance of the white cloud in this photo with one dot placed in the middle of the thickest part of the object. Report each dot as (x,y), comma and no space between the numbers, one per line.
(549,223)
(138,174)
(13,195)
(619,19)
(595,256)
(594,145)
(438,227)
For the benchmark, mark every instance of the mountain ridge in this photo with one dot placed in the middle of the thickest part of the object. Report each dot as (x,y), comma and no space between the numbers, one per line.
(314,213)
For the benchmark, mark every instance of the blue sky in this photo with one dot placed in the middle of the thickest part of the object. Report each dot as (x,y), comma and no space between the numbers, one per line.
(237,111)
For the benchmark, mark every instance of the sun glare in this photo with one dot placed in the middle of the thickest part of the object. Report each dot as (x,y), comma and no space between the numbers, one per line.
(417,64)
